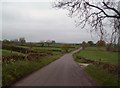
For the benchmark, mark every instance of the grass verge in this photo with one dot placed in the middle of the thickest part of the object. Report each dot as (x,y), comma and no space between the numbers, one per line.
(101,76)
(14,71)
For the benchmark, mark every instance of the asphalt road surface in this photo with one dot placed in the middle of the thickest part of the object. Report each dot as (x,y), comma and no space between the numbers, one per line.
(62,72)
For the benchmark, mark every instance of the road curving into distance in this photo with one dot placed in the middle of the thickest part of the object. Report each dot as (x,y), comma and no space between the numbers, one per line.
(62,72)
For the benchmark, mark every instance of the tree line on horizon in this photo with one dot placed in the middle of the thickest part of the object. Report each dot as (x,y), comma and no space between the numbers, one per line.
(99,44)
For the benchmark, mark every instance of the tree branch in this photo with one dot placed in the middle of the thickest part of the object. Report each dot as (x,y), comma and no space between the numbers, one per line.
(111,16)
(111,8)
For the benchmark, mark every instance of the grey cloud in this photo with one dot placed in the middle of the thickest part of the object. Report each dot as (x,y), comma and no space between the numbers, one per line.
(38,21)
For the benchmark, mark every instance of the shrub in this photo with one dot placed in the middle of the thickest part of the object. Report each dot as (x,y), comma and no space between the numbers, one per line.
(66,47)
(15,48)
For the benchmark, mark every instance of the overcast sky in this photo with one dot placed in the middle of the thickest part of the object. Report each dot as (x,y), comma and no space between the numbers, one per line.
(38,21)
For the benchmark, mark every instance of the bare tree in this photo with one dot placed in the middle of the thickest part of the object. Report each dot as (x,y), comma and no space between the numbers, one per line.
(97,13)
(22,40)
(42,43)
(48,42)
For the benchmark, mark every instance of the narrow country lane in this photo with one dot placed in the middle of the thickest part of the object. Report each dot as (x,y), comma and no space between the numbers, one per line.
(62,72)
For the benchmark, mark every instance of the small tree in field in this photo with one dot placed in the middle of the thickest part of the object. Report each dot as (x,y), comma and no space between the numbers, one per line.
(90,43)
(22,40)
(83,44)
(53,42)
(48,42)
(42,43)
(100,43)
(66,47)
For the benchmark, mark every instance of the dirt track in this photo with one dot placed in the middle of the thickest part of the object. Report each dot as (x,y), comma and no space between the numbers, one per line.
(62,72)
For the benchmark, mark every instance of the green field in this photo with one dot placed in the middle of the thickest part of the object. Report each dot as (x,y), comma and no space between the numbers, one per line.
(94,53)
(47,49)
(8,52)
(103,77)
(51,47)
(56,45)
